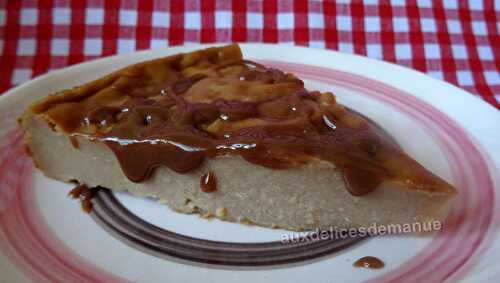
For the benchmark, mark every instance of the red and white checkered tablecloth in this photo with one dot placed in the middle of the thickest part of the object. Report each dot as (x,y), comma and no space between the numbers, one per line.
(457,41)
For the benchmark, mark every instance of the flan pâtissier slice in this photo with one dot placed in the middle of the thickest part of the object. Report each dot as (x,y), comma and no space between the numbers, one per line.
(212,133)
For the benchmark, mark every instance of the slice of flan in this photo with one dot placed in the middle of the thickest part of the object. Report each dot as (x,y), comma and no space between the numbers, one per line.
(212,133)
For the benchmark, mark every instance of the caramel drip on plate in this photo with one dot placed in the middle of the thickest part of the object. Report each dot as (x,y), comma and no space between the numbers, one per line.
(85,195)
(369,262)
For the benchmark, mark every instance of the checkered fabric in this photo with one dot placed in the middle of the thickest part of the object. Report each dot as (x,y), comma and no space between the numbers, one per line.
(456,41)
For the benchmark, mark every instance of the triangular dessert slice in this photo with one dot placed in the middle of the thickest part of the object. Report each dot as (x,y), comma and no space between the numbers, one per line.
(210,132)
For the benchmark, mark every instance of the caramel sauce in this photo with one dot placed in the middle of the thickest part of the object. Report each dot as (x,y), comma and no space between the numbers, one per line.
(183,85)
(208,182)
(85,195)
(369,262)
(74,142)
(181,110)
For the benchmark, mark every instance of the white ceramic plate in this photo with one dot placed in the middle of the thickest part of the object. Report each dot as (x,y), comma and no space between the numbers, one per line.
(44,236)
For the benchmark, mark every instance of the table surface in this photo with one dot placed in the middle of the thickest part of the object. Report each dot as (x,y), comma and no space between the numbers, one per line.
(455,41)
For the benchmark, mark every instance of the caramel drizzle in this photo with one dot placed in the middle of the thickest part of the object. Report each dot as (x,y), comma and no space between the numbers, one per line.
(208,182)
(285,131)
(148,136)
(369,262)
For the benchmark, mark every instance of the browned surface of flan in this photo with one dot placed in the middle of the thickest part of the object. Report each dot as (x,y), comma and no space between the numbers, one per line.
(179,110)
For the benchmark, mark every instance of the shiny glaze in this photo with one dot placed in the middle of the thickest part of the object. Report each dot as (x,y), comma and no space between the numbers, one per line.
(151,134)
(208,182)
(181,110)
(369,262)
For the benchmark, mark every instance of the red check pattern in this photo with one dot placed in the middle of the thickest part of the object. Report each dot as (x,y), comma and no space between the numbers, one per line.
(456,41)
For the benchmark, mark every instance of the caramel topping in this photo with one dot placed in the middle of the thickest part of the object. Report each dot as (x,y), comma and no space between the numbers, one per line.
(85,195)
(180,110)
(369,262)
(74,142)
(208,182)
